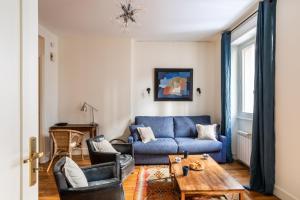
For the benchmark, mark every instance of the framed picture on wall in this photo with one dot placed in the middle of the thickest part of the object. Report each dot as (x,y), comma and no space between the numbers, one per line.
(173,84)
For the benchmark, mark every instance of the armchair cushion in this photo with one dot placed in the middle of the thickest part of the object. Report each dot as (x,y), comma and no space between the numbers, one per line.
(74,174)
(103,146)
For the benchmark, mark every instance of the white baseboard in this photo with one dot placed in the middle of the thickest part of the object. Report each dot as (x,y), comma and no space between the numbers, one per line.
(283,194)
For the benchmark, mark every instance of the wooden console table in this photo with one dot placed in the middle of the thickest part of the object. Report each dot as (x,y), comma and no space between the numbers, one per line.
(91,128)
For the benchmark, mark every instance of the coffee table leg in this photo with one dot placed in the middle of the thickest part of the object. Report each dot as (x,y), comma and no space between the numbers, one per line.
(241,196)
(182,196)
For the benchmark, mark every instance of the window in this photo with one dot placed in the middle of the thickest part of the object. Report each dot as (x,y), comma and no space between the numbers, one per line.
(246,68)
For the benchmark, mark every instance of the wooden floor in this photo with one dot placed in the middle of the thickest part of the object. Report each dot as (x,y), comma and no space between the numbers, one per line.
(48,191)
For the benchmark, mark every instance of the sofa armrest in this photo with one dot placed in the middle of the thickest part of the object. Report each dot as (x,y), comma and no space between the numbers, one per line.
(130,139)
(126,148)
(223,139)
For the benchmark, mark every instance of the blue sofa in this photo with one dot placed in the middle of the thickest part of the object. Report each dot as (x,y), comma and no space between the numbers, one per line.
(174,135)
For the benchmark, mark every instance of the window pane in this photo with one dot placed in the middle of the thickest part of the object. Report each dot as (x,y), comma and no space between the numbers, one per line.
(248,61)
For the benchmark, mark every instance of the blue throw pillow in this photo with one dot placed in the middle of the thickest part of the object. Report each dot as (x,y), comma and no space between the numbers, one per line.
(134,131)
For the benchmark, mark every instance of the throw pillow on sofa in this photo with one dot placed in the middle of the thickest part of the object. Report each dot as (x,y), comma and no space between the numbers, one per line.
(104,146)
(74,174)
(146,134)
(134,131)
(208,132)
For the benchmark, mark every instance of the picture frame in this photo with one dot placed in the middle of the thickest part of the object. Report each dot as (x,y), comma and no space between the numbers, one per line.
(173,84)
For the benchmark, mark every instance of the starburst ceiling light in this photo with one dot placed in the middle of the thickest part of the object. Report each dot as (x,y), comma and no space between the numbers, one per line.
(128,13)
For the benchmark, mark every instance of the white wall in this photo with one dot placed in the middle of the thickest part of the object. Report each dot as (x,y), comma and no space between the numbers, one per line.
(98,71)
(197,55)
(48,89)
(113,73)
(287,100)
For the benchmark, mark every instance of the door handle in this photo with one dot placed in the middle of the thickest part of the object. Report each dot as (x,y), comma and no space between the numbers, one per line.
(34,156)
(33,160)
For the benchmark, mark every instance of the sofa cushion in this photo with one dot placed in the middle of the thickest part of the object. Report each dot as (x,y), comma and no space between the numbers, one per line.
(162,127)
(160,146)
(186,126)
(198,146)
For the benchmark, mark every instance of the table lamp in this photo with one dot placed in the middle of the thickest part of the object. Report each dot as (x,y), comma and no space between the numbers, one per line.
(85,107)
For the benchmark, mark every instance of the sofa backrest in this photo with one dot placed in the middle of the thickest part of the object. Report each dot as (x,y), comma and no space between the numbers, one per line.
(163,127)
(175,126)
(185,126)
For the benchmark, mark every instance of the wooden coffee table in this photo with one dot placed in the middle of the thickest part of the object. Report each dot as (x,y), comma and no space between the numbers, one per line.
(213,180)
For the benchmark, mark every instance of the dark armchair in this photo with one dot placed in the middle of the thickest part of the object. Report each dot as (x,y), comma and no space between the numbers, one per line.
(124,159)
(103,180)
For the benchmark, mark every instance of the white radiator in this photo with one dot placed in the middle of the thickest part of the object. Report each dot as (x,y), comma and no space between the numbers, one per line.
(244,146)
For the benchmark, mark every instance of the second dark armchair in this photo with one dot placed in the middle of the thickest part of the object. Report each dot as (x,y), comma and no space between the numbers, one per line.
(124,159)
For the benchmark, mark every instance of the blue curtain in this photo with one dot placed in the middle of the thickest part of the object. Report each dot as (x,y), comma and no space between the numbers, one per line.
(262,167)
(226,90)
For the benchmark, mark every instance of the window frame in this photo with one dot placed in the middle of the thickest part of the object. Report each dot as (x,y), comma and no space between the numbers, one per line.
(240,47)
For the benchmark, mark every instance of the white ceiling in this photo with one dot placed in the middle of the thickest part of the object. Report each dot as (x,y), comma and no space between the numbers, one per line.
(182,20)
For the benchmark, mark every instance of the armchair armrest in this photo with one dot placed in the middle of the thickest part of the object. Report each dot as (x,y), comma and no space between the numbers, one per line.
(101,171)
(102,157)
(124,148)
(112,190)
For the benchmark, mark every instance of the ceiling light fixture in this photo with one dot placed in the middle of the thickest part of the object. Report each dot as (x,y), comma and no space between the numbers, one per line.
(128,14)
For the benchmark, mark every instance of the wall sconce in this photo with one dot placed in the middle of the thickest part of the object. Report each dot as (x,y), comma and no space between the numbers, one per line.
(148,90)
(198,90)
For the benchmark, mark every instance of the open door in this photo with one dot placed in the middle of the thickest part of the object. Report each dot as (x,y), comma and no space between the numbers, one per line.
(29,99)
(19,98)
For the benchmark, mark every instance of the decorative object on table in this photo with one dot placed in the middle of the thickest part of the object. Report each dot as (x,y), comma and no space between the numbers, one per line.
(61,124)
(124,157)
(185,170)
(128,13)
(205,156)
(186,154)
(197,166)
(173,84)
(85,107)
(178,159)
(65,141)
(102,179)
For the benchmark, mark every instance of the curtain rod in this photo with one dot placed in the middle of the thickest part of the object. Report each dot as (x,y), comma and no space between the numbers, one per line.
(242,22)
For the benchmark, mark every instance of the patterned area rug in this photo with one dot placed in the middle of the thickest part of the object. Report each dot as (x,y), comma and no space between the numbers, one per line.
(155,183)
